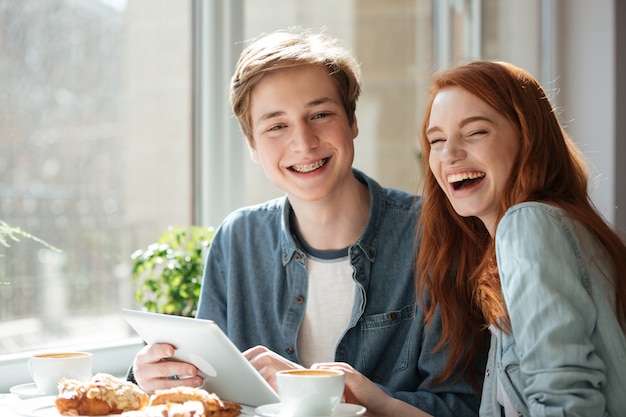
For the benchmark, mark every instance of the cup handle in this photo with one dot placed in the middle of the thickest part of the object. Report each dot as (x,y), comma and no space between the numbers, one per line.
(30,369)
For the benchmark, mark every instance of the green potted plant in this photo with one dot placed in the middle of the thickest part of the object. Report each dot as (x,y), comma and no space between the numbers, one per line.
(168,273)
(10,234)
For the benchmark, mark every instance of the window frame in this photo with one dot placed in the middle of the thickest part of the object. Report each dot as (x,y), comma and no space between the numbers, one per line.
(218,144)
(217,167)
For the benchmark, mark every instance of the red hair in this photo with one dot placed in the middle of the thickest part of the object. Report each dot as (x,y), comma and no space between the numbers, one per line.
(549,168)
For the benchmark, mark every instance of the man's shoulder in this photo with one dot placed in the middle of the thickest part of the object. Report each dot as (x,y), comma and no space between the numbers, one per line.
(402,198)
(269,206)
(393,197)
(261,213)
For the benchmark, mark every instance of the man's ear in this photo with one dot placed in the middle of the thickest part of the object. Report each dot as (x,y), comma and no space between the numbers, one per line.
(354,127)
(254,155)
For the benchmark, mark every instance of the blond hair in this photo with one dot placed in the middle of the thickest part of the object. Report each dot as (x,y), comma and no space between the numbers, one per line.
(291,48)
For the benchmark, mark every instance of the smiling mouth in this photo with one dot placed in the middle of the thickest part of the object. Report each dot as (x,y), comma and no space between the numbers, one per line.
(303,169)
(465,179)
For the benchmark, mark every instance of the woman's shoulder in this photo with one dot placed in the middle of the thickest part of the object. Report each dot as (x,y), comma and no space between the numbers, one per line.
(534,214)
(535,208)
(536,221)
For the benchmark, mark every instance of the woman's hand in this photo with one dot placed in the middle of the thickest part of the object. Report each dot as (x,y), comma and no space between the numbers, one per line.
(154,369)
(362,391)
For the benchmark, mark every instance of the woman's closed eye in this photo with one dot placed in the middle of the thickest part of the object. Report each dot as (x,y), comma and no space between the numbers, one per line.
(475,133)
(435,141)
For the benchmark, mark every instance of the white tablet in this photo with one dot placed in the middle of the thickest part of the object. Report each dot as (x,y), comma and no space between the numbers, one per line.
(202,343)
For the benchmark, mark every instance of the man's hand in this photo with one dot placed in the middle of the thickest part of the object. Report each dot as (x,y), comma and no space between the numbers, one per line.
(267,363)
(155,369)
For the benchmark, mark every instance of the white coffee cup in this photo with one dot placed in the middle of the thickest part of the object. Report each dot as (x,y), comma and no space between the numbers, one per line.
(309,392)
(47,369)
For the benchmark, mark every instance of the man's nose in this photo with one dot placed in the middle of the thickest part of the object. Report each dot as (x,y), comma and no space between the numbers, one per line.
(304,138)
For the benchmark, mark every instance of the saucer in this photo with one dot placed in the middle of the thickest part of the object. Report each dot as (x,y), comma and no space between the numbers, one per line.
(26,391)
(342,410)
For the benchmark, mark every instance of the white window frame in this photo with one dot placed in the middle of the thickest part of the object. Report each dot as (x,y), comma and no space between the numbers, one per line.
(218,171)
(218,143)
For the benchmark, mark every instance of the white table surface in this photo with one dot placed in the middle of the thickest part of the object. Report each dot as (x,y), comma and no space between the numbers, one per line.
(8,401)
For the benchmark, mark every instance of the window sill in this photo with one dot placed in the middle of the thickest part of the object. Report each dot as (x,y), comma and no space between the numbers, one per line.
(114,359)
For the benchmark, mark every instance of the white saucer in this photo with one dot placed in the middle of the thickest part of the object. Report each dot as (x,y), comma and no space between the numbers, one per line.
(38,407)
(342,410)
(26,391)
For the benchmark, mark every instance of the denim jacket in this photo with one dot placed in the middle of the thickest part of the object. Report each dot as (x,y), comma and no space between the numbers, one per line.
(255,288)
(566,354)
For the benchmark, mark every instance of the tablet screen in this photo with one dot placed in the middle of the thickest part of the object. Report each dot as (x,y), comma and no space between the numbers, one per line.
(225,370)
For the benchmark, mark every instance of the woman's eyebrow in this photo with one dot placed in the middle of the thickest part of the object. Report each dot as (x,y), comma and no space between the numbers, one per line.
(463,123)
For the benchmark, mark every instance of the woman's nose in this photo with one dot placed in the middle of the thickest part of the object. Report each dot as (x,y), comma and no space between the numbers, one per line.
(453,150)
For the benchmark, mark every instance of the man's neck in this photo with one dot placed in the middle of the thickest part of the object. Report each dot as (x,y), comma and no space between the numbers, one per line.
(337,222)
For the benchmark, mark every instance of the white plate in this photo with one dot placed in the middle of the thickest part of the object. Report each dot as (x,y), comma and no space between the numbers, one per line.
(342,410)
(26,391)
(38,407)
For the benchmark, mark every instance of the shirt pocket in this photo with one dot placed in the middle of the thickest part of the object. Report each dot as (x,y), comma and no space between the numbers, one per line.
(387,346)
(510,374)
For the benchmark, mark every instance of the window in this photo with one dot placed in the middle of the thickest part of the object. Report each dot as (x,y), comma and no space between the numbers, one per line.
(95,158)
(115,124)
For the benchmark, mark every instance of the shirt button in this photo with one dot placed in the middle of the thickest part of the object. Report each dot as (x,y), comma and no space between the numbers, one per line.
(297,256)
(299,299)
(487,372)
(289,350)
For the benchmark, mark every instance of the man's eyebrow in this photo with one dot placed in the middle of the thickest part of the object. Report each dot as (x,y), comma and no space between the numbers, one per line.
(269,115)
(278,113)
(318,101)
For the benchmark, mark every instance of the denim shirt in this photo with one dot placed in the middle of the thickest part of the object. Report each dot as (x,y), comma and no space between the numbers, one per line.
(255,288)
(566,354)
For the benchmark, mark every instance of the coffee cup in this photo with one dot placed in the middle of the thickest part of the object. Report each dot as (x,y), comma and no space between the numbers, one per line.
(47,369)
(309,392)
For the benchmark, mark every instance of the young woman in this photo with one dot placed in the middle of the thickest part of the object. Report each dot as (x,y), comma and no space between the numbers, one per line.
(505,196)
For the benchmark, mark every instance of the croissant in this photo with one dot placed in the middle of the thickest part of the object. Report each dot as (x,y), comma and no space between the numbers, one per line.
(213,405)
(102,395)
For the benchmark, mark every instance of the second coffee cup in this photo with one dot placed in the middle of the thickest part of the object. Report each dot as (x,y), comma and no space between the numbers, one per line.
(309,392)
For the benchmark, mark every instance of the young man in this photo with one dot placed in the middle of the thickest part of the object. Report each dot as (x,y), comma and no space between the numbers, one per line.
(324,274)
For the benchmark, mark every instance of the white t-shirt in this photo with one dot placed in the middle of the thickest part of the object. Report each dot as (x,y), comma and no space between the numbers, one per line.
(328,309)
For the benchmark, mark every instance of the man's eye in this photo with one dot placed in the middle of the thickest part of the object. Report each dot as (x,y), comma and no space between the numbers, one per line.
(320,115)
(276,127)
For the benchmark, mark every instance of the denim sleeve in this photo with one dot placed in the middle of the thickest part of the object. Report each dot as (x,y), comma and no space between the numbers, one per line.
(458,399)
(213,292)
(552,313)
(408,374)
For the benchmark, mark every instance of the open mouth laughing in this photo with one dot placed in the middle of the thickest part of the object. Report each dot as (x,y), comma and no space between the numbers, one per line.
(465,179)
